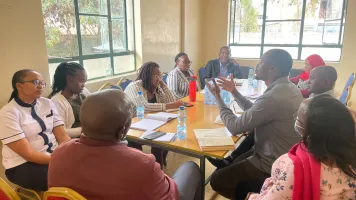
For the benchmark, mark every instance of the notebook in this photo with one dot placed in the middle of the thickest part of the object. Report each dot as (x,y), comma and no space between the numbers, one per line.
(153,121)
(219,121)
(164,138)
(214,139)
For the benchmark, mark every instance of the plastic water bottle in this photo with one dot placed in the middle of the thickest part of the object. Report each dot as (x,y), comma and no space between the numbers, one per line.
(140,108)
(225,95)
(182,125)
(255,83)
(251,74)
(207,96)
(108,71)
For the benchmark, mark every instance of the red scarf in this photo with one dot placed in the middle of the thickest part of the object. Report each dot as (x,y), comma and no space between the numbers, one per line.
(315,61)
(306,184)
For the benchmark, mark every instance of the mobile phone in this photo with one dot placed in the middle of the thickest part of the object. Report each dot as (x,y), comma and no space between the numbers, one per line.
(187,104)
(154,135)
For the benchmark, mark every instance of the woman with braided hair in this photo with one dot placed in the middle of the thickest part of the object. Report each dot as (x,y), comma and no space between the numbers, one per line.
(68,93)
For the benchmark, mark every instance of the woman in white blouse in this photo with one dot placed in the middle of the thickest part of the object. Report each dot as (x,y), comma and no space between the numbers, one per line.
(323,165)
(178,78)
(157,96)
(68,93)
(30,130)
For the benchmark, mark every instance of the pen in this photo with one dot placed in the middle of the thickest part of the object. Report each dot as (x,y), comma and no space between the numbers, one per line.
(174,138)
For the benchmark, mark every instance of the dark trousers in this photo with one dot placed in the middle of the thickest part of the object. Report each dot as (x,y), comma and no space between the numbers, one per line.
(241,177)
(29,175)
(245,146)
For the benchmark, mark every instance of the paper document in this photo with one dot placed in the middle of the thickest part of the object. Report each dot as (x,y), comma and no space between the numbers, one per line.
(164,138)
(214,139)
(219,121)
(162,116)
(147,124)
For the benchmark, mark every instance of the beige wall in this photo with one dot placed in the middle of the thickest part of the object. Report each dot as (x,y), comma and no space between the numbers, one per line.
(161,31)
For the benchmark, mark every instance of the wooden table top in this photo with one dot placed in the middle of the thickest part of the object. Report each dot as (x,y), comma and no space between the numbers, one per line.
(200,116)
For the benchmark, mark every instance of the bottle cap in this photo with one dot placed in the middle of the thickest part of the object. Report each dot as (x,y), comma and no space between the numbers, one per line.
(139,92)
(181,107)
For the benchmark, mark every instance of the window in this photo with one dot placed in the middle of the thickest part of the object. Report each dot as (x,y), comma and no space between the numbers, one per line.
(98,34)
(301,27)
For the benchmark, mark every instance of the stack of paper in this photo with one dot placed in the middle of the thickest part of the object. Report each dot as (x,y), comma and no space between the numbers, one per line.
(219,121)
(153,121)
(214,139)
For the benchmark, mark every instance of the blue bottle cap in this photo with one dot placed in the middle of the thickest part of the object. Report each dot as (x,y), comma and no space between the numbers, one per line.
(181,107)
(139,92)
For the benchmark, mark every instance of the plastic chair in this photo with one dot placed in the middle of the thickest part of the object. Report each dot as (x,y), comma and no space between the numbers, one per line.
(6,192)
(123,83)
(245,70)
(109,85)
(351,81)
(28,193)
(346,95)
(164,77)
(295,72)
(62,193)
(202,72)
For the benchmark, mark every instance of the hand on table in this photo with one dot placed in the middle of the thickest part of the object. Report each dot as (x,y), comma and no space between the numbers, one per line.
(226,84)
(174,105)
(214,89)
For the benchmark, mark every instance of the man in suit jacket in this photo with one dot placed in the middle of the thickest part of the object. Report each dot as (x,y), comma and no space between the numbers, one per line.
(223,65)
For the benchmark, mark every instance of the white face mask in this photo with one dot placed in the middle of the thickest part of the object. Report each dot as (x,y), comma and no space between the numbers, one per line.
(297,127)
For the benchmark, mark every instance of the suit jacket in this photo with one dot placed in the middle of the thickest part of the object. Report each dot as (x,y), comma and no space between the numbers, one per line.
(213,69)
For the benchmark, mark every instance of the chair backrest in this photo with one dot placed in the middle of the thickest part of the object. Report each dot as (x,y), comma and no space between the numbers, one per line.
(245,70)
(109,85)
(350,81)
(28,194)
(346,95)
(124,83)
(164,77)
(6,192)
(62,193)
(295,72)
(202,72)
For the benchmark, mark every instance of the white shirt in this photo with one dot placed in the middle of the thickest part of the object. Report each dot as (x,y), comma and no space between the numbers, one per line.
(65,111)
(16,122)
(178,83)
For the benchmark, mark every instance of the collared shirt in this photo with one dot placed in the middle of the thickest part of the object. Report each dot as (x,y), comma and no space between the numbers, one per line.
(223,69)
(35,122)
(110,171)
(272,118)
(163,96)
(178,83)
(329,92)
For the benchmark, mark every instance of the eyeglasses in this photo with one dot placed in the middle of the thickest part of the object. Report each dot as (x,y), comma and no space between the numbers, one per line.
(297,120)
(187,62)
(35,82)
(157,76)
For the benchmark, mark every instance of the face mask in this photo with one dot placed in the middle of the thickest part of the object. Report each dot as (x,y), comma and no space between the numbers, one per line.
(297,127)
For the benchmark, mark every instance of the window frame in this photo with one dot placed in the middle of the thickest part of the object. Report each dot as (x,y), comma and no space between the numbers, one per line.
(300,44)
(81,58)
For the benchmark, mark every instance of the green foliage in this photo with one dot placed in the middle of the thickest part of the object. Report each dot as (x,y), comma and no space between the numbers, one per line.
(249,16)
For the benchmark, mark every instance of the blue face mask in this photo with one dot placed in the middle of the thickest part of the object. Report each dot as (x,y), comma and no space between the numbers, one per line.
(297,127)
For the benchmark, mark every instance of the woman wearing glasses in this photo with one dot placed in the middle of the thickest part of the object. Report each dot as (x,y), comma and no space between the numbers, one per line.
(323,165)
(30,130)
(68,93)
(178,78)
(157,96)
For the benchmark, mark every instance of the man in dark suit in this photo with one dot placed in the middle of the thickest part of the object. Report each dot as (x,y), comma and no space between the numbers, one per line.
(223,66)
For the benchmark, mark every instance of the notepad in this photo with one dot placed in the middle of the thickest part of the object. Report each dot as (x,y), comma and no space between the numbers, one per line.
(153,121)
(219,121)
(164,138)
(214,139)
